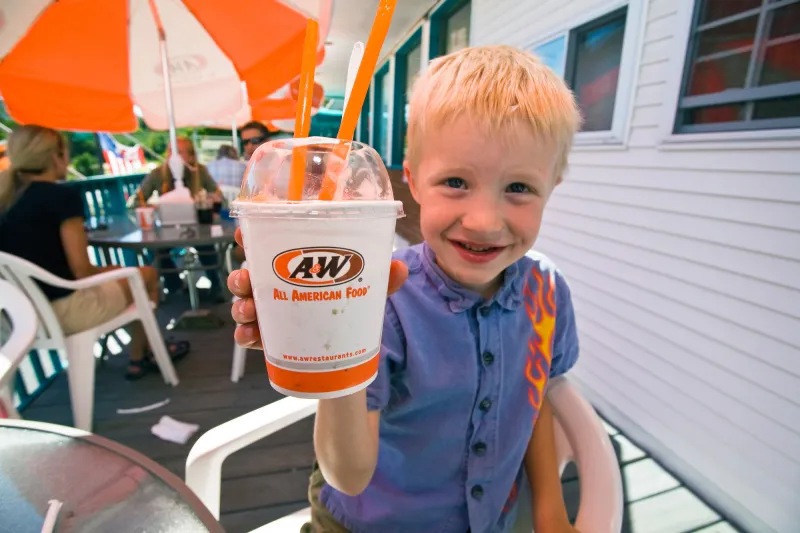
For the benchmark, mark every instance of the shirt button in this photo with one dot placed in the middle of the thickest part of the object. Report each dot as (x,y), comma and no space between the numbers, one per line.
(488,358)
(479,448)
(485,311)
(477,492)
(485,404)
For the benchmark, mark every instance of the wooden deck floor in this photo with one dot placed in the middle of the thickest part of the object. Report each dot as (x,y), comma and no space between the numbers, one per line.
(262,482)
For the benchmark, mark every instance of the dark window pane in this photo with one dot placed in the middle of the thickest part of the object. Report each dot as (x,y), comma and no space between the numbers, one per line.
(718,74)
(782,54)
(457,29)
(382,117)
(597,61)
(413,64)
(712,10)
(778,108)
(713,115)
(785,21)
(731,36)
(781,63)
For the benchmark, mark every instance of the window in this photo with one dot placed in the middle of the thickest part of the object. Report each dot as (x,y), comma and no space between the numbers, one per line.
(742,68)
(589,57)
(383,93)
(408,62)
(553,54)
(450,27)
(457,29)
(594,55)
(364,120)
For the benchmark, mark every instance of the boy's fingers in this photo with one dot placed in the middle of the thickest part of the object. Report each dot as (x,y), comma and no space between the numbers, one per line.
(239,283)
(247,336)
(398,273)
(244,311)
(237,235)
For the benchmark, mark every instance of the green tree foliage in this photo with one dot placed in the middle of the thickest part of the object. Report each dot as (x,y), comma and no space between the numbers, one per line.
(87,164)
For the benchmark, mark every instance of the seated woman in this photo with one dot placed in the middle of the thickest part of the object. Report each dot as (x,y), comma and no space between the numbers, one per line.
(42,222)
(195,178)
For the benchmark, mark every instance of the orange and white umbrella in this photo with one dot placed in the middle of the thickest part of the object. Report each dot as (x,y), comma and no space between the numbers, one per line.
(84,64)
(282,105)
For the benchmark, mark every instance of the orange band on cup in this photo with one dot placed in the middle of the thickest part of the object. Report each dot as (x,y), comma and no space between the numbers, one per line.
(321,382)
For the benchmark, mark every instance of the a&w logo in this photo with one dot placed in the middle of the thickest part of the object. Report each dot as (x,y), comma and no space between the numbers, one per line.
(318,267)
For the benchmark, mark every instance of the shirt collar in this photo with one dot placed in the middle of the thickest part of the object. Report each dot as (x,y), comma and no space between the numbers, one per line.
(459,298)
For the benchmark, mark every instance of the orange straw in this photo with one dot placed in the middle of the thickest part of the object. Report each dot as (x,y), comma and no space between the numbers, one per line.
(358,93)
(141,197)
(302,125)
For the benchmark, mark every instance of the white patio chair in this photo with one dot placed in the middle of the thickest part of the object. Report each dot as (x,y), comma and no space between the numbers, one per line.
(580,438)
(23,325)
(230,193)
(79,347)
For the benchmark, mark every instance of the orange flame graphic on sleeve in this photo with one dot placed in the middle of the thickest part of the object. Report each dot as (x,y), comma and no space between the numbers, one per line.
(541,308)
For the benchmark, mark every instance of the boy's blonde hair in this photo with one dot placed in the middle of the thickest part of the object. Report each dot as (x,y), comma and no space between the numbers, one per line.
(496,86)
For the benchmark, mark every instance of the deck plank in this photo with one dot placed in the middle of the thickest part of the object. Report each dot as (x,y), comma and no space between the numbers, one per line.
(260,483)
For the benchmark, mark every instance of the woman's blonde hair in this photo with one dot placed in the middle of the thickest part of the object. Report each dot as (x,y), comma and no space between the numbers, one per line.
(31,150)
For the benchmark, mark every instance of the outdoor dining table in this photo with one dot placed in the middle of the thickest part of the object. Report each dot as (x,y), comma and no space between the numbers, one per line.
(102,485)
(109,233)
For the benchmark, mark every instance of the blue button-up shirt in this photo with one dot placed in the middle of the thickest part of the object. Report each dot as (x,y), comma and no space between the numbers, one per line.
(459,388)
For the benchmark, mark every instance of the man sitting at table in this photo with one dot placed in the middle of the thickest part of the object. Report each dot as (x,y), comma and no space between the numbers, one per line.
(195,178)
(227,169)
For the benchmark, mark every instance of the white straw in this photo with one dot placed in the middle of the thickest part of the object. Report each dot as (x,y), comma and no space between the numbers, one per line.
(352,69)
(51,516)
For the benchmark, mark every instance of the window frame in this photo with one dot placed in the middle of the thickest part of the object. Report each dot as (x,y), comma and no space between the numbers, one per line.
(438,26)
(398,103)
(733,96)
(678,63)
(629,67)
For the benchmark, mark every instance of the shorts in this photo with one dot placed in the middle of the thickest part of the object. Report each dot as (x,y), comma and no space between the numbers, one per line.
(88,308)
(321,520)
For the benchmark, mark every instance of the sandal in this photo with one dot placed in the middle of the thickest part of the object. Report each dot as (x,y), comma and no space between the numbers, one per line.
(177,351)
(142,367)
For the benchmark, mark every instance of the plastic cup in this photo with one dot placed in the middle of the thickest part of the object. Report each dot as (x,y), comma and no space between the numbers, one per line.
(319,269)
(145,217)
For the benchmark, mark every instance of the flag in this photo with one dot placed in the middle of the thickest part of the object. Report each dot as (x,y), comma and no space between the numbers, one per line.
(121,159)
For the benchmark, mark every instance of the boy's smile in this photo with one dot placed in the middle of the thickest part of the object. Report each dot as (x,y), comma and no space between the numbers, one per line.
(481,196)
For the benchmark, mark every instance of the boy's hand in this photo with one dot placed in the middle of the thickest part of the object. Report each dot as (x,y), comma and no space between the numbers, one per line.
(244,311)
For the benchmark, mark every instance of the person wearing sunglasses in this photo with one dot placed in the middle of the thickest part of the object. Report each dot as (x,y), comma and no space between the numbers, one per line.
(253,135)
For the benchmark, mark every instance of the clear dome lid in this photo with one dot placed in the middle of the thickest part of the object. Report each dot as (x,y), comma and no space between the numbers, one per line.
(341,170)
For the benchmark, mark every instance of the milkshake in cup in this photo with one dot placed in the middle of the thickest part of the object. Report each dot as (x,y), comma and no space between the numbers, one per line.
(319,269)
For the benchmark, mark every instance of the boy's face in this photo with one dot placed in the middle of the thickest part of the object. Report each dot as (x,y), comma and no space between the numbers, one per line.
(481,199)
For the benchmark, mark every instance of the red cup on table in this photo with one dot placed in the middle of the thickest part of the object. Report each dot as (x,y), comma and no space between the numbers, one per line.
(145,217)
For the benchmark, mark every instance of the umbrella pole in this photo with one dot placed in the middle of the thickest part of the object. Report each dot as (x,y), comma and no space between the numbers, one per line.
(162,45)
(235,134)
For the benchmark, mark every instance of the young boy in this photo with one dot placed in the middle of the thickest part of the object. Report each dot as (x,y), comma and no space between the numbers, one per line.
(443,438)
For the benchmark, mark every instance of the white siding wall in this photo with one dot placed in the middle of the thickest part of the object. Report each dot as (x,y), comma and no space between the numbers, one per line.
(684,262)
